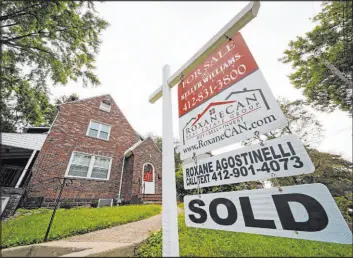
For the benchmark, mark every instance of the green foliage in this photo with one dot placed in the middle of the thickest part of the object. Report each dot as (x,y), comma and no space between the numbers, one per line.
(195,242)
(301,122)
(44,42)
(344,203)
(331,40)
(181,192)
(66,204)
(158,141)
(31,229)
(334,172)
(94,203)
(26,212)
(66,98)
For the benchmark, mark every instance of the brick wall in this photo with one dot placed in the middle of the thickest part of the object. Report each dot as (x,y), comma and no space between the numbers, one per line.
(126,191)
(68,134)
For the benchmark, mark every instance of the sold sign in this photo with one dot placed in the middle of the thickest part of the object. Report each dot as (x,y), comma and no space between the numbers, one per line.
(299,211)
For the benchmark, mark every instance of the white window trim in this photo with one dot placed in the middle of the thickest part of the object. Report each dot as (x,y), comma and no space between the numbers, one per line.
(99,129)
(4,201)
(90,168)
(103,109)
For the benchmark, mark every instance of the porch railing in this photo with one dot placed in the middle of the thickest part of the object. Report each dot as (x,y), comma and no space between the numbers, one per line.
(9,175)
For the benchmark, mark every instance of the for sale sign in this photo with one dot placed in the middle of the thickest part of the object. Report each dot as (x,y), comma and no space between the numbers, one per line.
(228,64)
(281,157)
(299,211)
(225,100)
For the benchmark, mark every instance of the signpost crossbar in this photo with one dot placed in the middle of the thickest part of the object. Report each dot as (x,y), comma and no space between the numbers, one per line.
(239,21)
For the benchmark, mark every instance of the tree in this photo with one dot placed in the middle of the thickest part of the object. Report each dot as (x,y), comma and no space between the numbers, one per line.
(331,40)
(42,43)
(158,141)
(301,122)
(66,98)
(334,172)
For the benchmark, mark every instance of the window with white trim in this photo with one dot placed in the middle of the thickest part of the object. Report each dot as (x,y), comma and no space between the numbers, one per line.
(89,166)
(98,130)
(105,106)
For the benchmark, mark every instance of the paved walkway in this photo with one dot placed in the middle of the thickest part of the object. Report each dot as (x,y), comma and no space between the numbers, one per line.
(133,232)
(119,241)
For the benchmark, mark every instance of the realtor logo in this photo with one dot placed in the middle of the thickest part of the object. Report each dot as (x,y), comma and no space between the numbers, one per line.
(221,115)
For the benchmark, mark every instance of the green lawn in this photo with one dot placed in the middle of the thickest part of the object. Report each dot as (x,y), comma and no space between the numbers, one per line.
(216,243)
(31,229)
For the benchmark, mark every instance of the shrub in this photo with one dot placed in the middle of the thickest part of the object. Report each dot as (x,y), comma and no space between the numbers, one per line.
(94,204)
(66,204)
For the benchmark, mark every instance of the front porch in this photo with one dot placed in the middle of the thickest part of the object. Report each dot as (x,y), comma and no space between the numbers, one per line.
(15,173)
(18,154)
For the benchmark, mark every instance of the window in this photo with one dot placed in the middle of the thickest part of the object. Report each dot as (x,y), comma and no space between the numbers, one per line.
(105,106)
(89,166)
(98,130)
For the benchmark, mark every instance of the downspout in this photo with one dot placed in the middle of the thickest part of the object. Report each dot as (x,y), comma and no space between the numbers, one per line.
(121,179)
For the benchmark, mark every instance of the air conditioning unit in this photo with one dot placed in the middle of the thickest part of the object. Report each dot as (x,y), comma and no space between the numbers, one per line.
(105,202)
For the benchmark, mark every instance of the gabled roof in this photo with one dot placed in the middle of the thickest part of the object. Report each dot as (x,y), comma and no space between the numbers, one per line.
(36,129)
(70,102)
(129,150)
(139,135)
(31,141)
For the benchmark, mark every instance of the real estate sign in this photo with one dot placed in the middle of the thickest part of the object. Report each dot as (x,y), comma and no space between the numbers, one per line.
(299,211)
(281,157)
(225,100)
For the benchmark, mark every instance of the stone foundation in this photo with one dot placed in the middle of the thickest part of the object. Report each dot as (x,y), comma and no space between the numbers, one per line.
(15,195)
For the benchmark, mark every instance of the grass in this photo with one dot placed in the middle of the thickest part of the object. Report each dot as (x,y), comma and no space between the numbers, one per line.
(31,228)
(216,243)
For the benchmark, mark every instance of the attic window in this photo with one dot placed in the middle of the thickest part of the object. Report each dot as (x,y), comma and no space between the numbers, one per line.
(105,106)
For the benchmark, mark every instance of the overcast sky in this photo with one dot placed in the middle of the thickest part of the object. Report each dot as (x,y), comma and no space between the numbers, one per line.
(143,36)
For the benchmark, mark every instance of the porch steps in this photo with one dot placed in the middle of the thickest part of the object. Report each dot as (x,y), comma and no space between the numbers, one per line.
(152,198)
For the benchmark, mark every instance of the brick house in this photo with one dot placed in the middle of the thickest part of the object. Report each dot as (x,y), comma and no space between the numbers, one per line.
(91,142)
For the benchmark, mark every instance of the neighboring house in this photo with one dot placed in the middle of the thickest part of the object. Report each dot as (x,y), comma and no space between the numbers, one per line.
(91,142)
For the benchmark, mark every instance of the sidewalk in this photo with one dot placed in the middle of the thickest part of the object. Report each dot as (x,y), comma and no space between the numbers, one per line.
(133,232)
(119,241)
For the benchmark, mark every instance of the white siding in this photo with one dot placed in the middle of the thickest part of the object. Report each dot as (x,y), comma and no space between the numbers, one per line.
(30,141)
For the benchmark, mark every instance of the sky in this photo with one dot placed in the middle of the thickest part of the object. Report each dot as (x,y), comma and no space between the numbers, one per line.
(144,36)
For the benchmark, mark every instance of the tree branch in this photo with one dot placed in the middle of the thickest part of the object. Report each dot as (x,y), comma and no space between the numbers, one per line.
(18,13)
(19,37)
(24,47)
(9,25)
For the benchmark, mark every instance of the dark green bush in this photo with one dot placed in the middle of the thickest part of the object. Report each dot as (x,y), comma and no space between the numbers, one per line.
(94,204)
(66,204)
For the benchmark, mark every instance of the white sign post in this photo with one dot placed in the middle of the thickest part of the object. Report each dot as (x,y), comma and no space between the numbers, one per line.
(170,237)
(298,211)
(170,245)
(280,157)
